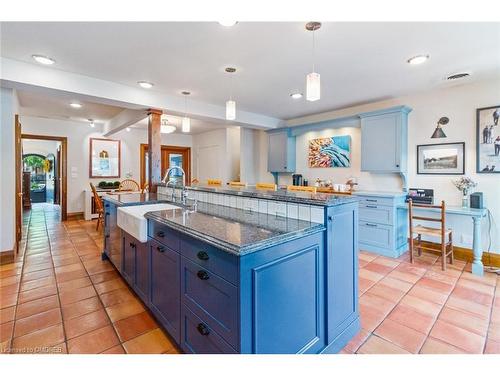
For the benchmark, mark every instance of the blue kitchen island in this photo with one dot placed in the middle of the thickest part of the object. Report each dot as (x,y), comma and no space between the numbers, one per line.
(223,279)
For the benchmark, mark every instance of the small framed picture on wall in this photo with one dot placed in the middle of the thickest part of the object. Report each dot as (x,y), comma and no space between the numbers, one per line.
(104,158)
(488,140)
(441,158)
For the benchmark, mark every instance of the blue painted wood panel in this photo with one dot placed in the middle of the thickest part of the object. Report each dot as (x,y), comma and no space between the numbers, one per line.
(128,262)
(282,298)
(165,287)
(164,234)
(142,272)
(375,213)
(212,298)
(342,271)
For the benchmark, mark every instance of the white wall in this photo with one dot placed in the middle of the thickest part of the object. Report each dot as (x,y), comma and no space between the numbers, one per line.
(216,155)
(78,135)
(459,103)
(9,106)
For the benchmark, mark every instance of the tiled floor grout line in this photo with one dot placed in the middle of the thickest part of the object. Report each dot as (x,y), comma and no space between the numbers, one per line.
(443,305)
(20,283)
(491,314)
(57,284)
(97,294)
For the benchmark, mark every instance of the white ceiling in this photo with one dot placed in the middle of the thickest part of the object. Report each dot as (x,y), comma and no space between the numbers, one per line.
(358,62)
(40,104)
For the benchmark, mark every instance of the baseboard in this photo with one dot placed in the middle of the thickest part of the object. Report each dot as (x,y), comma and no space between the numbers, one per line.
(74,216)
(7,257)
(463,253)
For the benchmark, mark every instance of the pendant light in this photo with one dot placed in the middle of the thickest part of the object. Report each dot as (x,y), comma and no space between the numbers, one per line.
(186,121)
(439,133)
(313,83)
(231,104)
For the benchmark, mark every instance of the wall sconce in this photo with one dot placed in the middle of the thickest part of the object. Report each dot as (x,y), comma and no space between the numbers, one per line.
(439,133)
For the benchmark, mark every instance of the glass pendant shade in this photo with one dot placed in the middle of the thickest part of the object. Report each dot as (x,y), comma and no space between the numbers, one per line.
(230,110)
(186,124)
(167,129)
(313,87)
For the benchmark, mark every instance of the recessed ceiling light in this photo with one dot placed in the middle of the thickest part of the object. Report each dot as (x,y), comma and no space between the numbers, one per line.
(91,123)
(296,95)
(228,23)
(145,84)
(419,59)
(75,105)
(127,129)
(43,59)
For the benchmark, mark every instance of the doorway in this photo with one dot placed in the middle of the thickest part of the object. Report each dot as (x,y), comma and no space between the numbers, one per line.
(44,171)
(170,156)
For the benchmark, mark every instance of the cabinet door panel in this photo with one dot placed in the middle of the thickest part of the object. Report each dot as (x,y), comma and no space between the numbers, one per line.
(142,271)
(128,265)
(380,143)
(277,152)
(165,286)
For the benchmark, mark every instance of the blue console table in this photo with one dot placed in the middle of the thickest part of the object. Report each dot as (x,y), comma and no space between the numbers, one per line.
(477,215)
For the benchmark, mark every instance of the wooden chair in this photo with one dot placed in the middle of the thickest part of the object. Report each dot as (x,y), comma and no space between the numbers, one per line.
(145,188)
(99,207)
(129,185)
(237,184)
(265,186)
(214,182)
(416,232)
(306,189)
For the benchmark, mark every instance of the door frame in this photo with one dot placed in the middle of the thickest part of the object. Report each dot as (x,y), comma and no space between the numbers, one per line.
(64,167)
(19,176)
(144,149)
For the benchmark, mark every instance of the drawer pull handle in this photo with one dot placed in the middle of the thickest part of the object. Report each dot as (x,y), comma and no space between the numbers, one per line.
(371,225)
(371,200)
(106,205)
(203,329)
(107,213)
(107,235)
(160,234)
(161,249)
(202,255)
(371,206)
(203,275)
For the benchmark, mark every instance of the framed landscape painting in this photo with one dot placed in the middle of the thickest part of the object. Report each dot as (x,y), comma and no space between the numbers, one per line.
(330,152)
(488,140)
(104,158)
(442,158)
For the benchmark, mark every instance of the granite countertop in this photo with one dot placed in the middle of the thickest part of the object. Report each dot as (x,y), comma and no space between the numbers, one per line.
(132,199)
(236,231)
(319,199)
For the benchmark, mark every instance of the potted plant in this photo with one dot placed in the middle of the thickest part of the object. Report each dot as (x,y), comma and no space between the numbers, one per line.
(464,184)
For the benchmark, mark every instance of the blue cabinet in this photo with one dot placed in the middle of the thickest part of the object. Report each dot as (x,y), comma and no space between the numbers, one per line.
(281,151)
(112,236)
(382,228)
(142,271)
(128,262)
(165,287)
(384,140)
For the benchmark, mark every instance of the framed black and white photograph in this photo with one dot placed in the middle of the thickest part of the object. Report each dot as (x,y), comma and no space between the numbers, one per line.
(488,140)
(442,158)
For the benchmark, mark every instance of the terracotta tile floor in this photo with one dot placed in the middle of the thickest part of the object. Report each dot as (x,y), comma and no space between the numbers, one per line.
(61,298)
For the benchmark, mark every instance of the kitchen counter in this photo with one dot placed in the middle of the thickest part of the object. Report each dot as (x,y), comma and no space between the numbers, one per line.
(135,199)
(319,199)
(233,230)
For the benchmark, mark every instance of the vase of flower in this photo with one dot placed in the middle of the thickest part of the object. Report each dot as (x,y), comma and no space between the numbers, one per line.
(464,184)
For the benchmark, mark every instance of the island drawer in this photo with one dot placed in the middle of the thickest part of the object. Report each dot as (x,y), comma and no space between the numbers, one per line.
(198,337)
(211,298)
(376,213)
(213,259)
(381,201)
(163,234)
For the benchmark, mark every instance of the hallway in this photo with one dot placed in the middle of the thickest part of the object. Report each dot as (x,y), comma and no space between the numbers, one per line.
(63,299)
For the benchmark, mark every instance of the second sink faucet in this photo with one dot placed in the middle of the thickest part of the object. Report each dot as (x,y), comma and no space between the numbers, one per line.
(174,183)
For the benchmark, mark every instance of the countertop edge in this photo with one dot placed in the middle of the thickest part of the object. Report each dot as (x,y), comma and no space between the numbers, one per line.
(235,250)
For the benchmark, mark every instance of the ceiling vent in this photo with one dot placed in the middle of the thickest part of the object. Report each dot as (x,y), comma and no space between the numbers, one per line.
(457,76)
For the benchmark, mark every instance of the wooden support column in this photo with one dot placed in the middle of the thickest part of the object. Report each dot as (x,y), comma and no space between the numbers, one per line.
(154,149)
